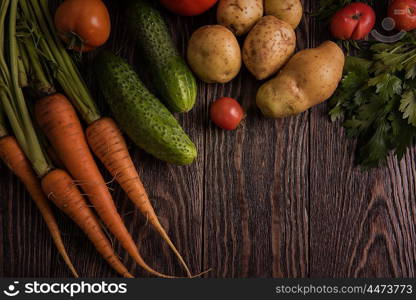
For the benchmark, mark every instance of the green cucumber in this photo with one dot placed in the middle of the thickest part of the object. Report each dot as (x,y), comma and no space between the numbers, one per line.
(140,114)
(171,76)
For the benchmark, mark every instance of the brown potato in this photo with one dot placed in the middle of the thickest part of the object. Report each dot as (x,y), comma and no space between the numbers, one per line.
(214,54)
(239,15)
(290,11)
(268,46)
(309,78)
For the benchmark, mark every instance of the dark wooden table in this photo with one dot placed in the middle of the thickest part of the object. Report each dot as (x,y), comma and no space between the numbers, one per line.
(273,199)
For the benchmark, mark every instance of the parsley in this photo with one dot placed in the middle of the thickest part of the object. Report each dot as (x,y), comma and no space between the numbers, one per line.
(376,100)
(408,106)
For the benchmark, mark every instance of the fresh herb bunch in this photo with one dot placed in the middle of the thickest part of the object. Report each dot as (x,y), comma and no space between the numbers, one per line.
(328,7)
(377,100)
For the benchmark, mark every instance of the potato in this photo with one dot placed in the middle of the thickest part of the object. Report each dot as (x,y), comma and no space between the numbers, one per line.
(309,78)
(214,54)
(268,46)
(290,11)
(239,15)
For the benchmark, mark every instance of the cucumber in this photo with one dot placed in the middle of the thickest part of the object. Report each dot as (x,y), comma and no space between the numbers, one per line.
(171,76)
(140,114)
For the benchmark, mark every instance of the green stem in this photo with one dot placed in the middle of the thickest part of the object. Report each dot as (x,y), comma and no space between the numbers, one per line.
(67,74)
(23,79)
(3,66)
(3,129)
(5,79)
(395,49)
(25,59)
(410,58)
(39,81)
(26,132)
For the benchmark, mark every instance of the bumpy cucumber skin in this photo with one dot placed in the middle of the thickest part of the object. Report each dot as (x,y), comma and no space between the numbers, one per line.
(140,114)
(170,74)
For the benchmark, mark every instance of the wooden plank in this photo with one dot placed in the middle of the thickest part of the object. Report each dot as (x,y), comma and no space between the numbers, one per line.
(361,223)
(273,199)
(256,189)
(25,242)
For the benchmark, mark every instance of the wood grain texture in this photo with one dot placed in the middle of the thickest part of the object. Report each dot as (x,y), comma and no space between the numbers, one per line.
(273,199)
(362,223)
(256,189)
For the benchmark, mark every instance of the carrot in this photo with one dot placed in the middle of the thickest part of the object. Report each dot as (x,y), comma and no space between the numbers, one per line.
(77,91)
(15,159)
(14,155)
(59,121)
(62,191)
(15,107)
(108,144)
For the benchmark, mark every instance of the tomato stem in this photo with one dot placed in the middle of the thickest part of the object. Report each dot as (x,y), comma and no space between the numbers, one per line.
(76,42)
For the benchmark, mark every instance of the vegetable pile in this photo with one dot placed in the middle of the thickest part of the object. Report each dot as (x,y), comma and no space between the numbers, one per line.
(37,61)
(376,99)
(43,95)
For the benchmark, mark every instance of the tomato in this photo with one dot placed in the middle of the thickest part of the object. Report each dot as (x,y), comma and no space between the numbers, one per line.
(188,7)
(353,22)
(227,113)
(83,24)
(403,12)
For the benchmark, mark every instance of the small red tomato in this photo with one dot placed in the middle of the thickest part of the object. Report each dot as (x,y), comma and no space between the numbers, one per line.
(353,22)
(83,24)
(226,113)
(403,12)
(188,7)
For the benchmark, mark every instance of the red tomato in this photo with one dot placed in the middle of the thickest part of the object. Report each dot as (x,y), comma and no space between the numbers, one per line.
(227,113)
(83,24)
(188,7)
(353,22)
(403,12)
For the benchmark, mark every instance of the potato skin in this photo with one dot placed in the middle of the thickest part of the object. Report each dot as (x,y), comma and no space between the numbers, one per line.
(239,15)
(268,46)
(214,54)
(309,78)
(290,11)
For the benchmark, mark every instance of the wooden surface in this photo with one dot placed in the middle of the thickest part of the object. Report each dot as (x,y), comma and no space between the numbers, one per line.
(273,199)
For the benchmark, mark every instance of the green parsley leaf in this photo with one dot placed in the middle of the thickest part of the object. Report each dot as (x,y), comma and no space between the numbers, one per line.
(408,106)
(387,85)
(377,100)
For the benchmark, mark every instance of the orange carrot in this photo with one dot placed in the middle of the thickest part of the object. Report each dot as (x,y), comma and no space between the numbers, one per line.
(108,144)
(61,190)
(15,159)
(58,119)
(57,184)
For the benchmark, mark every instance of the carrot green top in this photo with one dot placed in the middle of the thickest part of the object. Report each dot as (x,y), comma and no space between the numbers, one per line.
(3,130)
(3,84)
(58,60)
(12,99)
